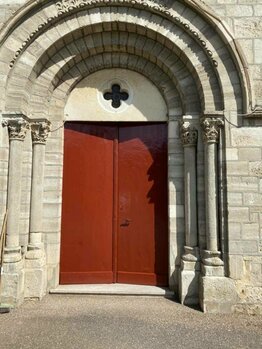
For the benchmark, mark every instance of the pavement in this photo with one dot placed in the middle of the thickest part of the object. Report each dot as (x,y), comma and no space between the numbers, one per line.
(124,322)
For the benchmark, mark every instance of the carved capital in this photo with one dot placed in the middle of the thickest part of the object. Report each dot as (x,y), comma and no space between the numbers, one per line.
(211,127)
(17,127)
(40,130)
(188,134)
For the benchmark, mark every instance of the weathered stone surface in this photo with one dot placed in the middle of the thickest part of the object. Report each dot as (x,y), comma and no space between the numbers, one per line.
(218,294)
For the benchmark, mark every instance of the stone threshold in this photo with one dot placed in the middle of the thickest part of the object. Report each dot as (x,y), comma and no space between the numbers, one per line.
(114,289)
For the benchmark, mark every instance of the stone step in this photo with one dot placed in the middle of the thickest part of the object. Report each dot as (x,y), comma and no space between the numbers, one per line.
(114,289)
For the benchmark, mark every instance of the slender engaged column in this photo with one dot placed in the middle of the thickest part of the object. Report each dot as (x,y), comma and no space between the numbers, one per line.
(189,141)
(211,128)
(35,261)
(39,130)
(189,269)
(17,127)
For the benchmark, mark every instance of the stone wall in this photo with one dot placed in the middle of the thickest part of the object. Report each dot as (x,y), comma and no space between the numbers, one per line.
(244,18)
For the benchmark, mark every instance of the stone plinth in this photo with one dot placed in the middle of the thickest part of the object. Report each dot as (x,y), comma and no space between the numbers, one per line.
(217,294)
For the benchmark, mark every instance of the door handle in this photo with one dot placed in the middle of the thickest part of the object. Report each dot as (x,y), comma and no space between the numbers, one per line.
(126,223)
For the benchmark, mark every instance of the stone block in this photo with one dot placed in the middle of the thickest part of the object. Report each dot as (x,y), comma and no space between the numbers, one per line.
(255,168)
(189,282)
(252,199)
(12,283)
(217,294)
(188,287)
(250,231)
(236,267)
(212,271)
(35,280)
(52,276)
(238,214)
(232,154)
(237,168)
(250,154)
(246,137)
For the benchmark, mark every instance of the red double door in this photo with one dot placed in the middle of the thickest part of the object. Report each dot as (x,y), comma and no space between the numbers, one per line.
(114,209)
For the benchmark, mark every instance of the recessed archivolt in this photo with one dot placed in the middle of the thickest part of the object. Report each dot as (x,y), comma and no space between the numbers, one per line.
(198,65)
(119,42)
(59,97)
(210,82)
(78,68)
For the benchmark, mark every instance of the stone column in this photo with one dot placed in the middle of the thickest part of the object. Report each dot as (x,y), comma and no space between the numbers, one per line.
(12,270)
(211,256)
(35,272)
(217,292)
(190,259)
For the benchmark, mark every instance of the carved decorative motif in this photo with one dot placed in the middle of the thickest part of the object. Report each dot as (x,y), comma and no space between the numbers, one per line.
(40,131)
(188,133)
(66,6)
(211,127)
(17,128)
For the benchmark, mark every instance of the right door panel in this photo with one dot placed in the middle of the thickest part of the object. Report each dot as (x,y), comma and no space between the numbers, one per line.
(142,242)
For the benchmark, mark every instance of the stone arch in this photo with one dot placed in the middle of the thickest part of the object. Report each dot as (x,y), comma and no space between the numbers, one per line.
(196,42)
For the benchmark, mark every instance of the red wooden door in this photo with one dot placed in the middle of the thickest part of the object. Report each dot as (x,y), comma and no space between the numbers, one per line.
(86,232)
(114,216)
(142,256)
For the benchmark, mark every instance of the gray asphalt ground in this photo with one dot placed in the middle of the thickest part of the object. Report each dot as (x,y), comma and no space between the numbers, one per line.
(98,322)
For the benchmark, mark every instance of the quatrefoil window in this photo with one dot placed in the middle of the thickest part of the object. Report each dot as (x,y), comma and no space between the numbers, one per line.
(116,95)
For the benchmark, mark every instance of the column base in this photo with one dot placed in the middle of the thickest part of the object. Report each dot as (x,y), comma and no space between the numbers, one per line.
(217,294)
(35,252)
(189,276)
(35,273)
(12,254)
(211,258)
(12,281)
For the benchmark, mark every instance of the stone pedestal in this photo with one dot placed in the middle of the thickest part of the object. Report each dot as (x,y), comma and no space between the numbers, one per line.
(12,280)
(189,277)
(35,275)
(217,294)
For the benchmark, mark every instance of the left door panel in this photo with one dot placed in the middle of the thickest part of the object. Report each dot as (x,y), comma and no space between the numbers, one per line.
(86,253)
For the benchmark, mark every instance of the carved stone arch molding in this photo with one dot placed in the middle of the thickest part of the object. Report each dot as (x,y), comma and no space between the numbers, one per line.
(194,19)
(183,49)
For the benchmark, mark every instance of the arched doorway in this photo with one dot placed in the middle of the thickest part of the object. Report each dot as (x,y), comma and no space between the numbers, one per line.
(182,50)
(114,208)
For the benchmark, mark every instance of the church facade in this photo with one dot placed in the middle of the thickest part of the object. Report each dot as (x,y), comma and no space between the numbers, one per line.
(131,147)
